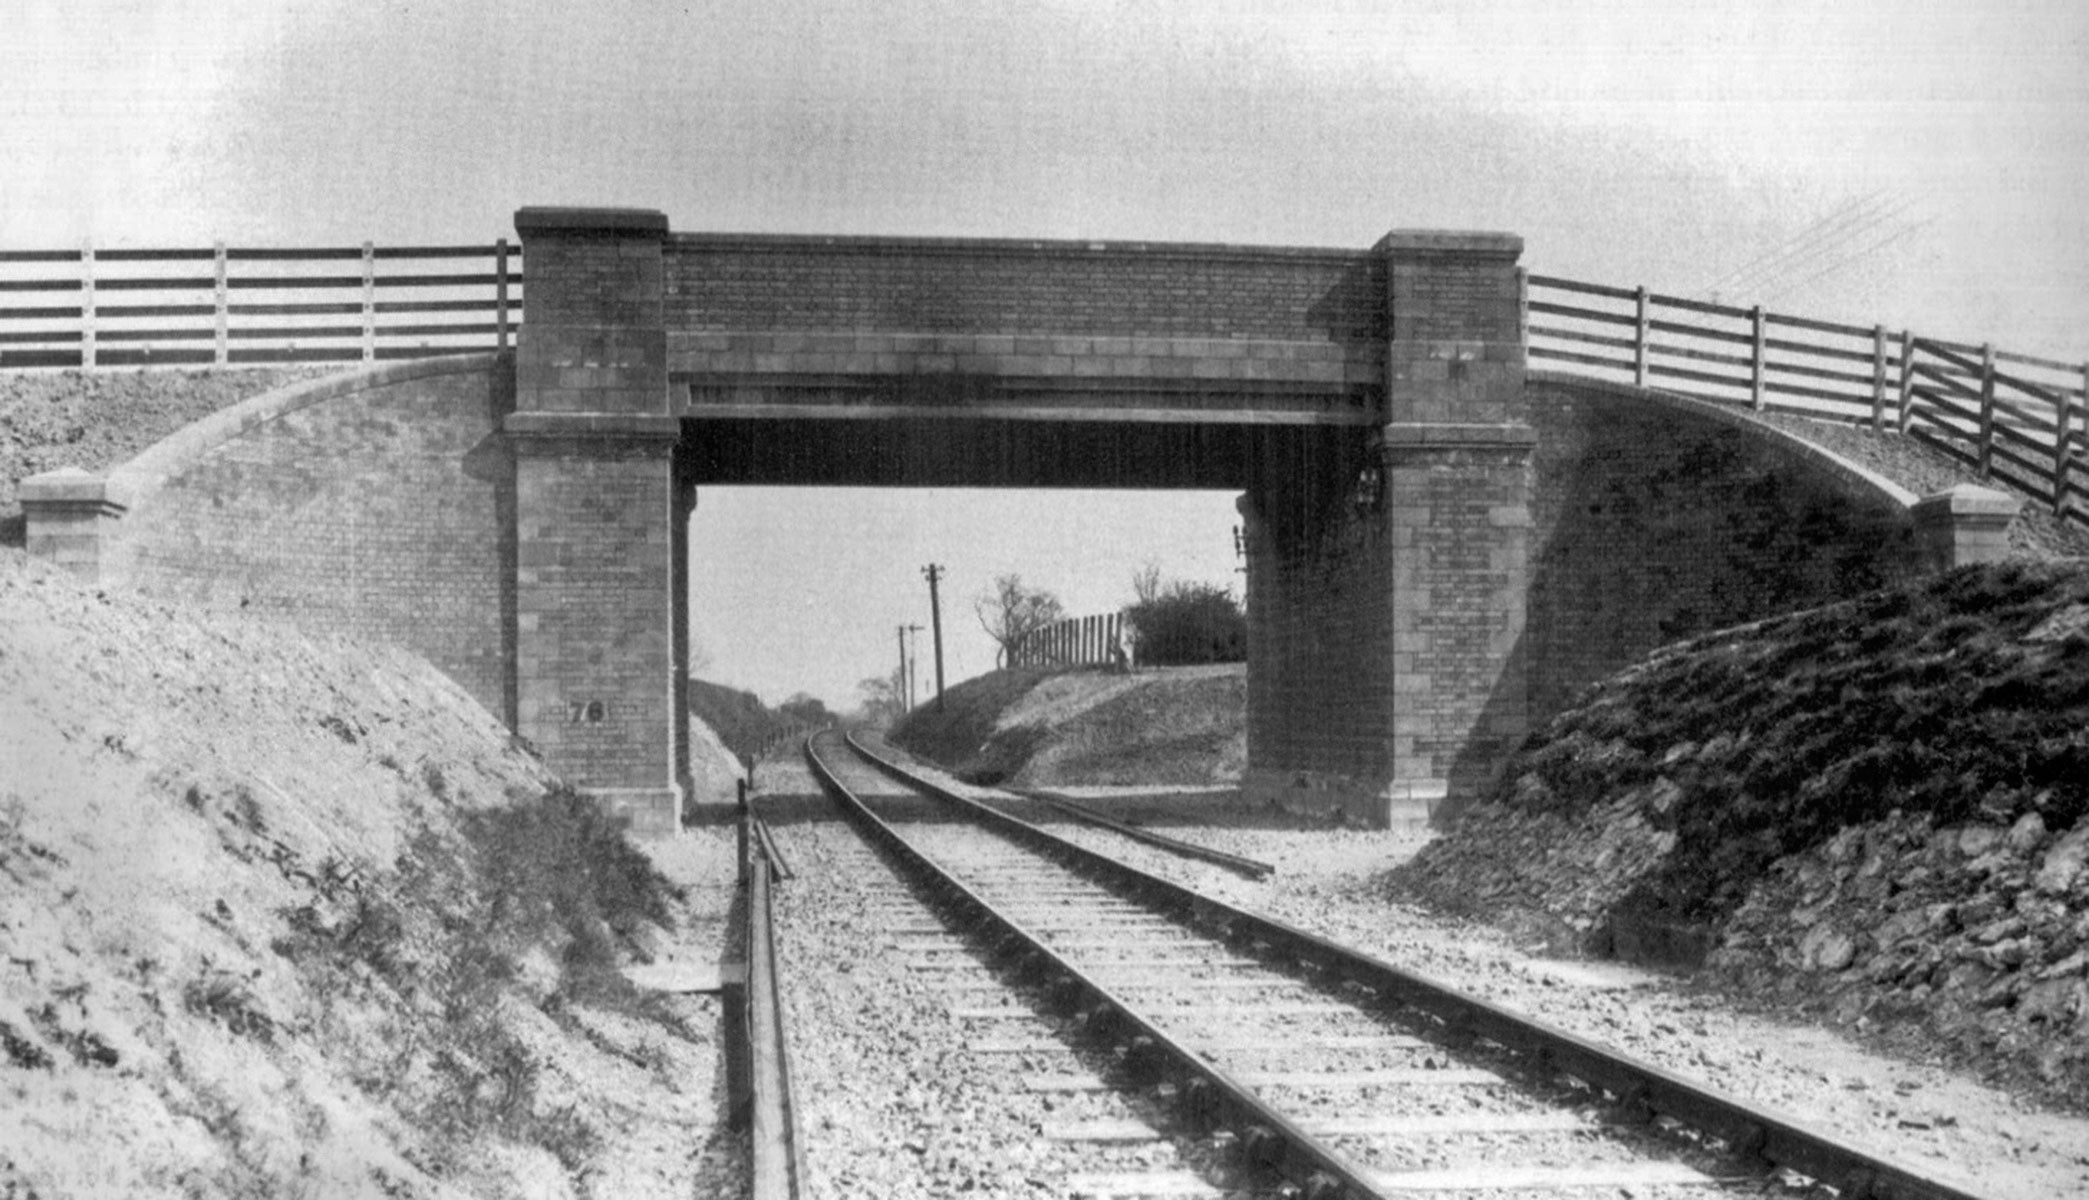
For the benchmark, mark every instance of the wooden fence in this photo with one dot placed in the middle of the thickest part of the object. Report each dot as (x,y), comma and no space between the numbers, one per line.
(2015,418)
(1073,642)
(220,306)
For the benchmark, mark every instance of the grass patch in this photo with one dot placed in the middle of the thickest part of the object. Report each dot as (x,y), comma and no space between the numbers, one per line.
(449,932)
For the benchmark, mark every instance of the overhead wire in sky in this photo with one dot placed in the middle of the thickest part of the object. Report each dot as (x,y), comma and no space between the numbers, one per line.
(1799,252)
(1823,226)
(1851,258)
(1778,280)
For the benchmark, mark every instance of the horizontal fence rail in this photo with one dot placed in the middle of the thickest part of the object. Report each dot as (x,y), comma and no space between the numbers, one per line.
(228,306)
(2016,419)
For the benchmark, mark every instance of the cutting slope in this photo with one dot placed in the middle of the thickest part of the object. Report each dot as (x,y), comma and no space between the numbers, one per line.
(292,917)
(1875,809)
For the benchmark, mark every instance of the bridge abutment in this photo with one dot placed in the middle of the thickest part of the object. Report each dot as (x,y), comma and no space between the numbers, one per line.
(1386,628)
(601,515)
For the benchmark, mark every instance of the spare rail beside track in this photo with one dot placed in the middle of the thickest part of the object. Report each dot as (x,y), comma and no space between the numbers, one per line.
(1637,1092)
(1250,867)
(774,1146)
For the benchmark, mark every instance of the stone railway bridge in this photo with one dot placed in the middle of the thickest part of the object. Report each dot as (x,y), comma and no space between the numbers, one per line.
(1442,545)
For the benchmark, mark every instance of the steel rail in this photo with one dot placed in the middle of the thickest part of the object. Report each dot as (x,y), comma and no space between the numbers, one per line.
(1642,1090)
(1209,1098)
(1250,867)
(776,1168)
(778,865)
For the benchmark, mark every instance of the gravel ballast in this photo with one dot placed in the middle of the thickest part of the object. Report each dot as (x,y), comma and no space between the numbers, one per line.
(895,1097)
(1335,882)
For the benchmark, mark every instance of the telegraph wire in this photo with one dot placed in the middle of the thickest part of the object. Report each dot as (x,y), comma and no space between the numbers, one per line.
(1852,257)
(1805,236)
(1780,276)
(1798,253)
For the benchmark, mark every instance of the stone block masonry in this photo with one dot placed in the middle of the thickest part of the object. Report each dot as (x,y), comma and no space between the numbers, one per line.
(600,626)
(594,617)
(1458,500)
(1388,646)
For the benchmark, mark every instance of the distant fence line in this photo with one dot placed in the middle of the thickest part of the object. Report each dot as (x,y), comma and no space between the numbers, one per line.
(2015,418)
(227,306)
(1076,641)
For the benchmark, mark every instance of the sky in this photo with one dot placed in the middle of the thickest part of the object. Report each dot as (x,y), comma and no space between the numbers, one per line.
(1908,162)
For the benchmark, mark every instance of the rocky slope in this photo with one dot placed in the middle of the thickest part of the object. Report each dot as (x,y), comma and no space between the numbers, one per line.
(1876,811)
(285,916)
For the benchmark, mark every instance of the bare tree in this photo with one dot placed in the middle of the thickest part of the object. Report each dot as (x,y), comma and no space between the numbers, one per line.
(1146,583)
(883,699)
(1011,612)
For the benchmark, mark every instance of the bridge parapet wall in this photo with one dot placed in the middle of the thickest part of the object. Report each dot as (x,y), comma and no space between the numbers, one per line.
(1102,289)
(1036,329)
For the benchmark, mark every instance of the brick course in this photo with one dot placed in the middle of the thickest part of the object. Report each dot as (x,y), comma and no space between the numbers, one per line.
(1109,289)
(600,509)
(372,505)
(1407,611)
(1656,520)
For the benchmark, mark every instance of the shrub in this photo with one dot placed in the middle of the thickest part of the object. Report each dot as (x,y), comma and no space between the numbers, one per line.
(1191,623)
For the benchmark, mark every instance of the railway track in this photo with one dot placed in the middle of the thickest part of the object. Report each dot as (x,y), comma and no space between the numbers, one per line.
(1222,1053)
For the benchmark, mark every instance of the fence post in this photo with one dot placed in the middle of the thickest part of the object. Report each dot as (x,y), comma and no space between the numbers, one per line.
(369,302)
(1755,361)
(500,291)
(87,351)
(1987,408)
(2063,445)
(1878,378)
(1907,376)
(220,298)
(1639,340)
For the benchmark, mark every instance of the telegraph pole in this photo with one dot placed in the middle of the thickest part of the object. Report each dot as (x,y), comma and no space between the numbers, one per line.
(933,573)
(906,692)
(911,651)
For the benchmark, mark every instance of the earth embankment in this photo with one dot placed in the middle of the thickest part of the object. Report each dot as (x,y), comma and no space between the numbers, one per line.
(293,916)
(95,420)
(1035,727)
